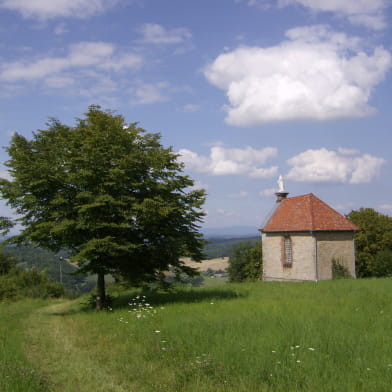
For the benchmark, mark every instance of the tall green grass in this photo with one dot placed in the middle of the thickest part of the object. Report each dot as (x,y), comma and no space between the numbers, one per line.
(17,374)
(325,336)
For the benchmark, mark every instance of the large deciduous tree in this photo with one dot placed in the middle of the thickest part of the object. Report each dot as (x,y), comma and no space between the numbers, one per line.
(108,192)
(373,242)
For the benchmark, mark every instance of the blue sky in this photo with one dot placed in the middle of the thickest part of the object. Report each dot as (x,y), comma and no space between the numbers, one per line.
(244,90)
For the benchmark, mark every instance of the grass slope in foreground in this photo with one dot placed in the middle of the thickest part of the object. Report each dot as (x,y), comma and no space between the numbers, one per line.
(325,336)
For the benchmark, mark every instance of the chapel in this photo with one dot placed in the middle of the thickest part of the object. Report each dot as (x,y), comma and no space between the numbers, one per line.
(303,237)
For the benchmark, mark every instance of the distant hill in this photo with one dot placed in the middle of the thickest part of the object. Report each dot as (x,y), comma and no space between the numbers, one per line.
(219,246)
(232,232)
(44,260)
(222,246)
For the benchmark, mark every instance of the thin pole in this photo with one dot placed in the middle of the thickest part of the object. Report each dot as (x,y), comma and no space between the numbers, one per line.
(61,270)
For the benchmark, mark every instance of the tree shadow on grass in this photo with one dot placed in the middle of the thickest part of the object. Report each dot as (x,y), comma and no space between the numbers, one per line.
(178,296)
(121,299)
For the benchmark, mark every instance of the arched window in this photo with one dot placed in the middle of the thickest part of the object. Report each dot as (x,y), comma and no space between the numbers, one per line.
(287,251)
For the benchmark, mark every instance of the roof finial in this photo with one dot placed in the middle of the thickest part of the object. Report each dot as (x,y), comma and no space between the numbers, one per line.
(281,184)
(282,193)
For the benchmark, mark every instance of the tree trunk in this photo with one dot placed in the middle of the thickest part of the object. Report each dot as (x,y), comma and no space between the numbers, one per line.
(101,294)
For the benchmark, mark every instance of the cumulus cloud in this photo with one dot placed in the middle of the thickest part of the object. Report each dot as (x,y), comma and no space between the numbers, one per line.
(314,74)
(231,161)
(334,166)
(369,13)
(156,34)
(48,9)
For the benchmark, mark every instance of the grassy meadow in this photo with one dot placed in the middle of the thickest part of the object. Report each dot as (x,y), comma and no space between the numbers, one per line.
(311,336)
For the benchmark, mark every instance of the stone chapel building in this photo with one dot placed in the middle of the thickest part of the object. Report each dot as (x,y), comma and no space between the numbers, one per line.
(303,236)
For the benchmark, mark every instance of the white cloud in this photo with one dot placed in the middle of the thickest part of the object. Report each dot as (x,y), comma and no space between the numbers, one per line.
(84,54)
(234,161)
(126,61)
(150,93)
(91,59)
(47,9)
(156,34)
(332,166)
(369,13)
(365,168)
(278,84)
(99,87)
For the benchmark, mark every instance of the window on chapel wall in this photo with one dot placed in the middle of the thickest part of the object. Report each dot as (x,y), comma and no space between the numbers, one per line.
(287,251)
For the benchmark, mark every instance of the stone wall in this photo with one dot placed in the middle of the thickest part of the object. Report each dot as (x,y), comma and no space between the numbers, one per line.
(335,245)
(303,253)
(306,248)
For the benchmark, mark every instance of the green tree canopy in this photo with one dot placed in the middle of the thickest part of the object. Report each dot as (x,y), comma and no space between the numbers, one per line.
(108,192)
(245,263)
(375,236)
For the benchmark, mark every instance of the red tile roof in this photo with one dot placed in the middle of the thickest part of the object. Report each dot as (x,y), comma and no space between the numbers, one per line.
(306,213)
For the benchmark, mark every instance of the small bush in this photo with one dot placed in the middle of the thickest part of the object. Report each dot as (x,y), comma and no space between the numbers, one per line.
(339,271)
(19,284)
(246,262)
